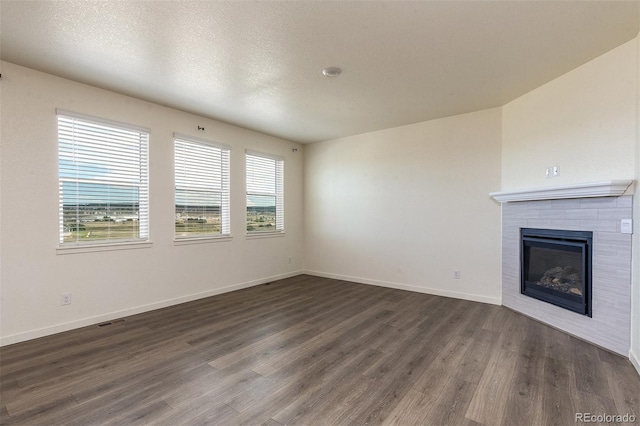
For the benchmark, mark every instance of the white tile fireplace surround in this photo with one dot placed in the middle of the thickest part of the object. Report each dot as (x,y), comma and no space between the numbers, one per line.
(611,268)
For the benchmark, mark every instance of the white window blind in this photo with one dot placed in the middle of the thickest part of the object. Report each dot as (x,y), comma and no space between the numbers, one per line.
(201,188)
(265,193)
(103,180)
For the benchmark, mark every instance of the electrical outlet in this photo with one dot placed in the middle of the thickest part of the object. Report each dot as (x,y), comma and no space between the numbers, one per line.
(65,299)
(289,260)
(456,275)
(556,170)
(547,172)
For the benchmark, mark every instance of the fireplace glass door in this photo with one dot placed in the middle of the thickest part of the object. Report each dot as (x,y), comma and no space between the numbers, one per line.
(556,267)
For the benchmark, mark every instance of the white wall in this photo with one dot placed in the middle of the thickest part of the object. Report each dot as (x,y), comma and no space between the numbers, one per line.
(110,284)
(584,122)
(635,283)
(405,207)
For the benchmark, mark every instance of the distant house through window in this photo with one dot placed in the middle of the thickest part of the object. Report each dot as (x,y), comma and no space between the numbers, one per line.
(201,188)
(265,192)
(103,180)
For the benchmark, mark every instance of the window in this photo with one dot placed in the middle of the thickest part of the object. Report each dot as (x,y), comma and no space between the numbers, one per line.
(265,193)
(202,188)
(103,180)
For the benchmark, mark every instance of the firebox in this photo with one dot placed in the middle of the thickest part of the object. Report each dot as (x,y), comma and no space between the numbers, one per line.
(555,267)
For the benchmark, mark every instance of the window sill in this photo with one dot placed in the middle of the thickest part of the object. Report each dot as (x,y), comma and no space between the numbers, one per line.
(90,248)
(201,240)
(258,235)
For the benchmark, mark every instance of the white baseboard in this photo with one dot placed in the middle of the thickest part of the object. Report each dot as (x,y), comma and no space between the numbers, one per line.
(635,360)
(417,289)
(59,328)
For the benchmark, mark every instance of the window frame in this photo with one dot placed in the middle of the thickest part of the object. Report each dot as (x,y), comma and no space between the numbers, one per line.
(224,189)
(68,121)
(278,194)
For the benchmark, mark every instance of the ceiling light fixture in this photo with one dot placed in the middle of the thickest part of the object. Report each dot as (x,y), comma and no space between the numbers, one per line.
(331,72)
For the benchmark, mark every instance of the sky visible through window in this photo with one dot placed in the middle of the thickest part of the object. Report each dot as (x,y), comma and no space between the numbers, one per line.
(264,176)
(201,188)
(101,172)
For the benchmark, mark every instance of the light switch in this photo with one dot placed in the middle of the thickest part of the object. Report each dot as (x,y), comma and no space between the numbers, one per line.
(626,226)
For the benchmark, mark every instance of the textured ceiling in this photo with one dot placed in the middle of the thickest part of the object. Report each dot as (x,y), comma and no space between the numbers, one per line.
(258,64)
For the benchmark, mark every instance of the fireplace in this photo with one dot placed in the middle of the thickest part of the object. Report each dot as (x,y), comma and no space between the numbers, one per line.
(598,207)
(555,267)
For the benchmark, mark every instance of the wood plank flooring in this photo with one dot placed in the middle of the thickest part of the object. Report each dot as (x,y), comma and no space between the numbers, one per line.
(315,351)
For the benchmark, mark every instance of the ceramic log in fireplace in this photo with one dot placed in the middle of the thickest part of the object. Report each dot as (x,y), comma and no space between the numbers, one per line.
(555,267)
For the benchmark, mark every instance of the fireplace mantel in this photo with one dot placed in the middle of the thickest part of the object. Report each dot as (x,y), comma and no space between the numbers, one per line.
(607,188)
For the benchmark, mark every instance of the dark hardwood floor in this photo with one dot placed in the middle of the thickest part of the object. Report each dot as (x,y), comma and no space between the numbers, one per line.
(315,351)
